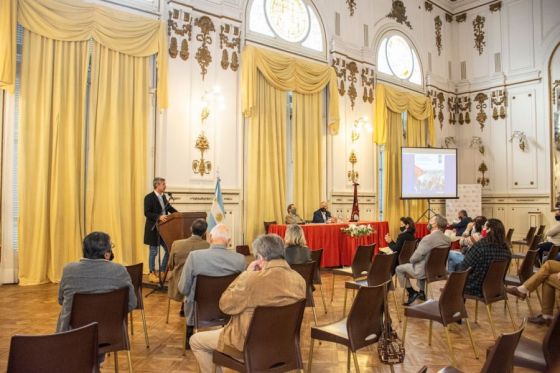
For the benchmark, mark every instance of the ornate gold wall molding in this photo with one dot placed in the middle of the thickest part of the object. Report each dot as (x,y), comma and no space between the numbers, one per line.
(230,38)
(347,72)
(438,100)
(438,24)
(448,17)
(339,65)
(481,105)
(496,7)
(352,69)
(453,109)
(398,13)
(478,26)
(203,54)
(351,6)
(179,25)
(428,6)
(368,83)
(498,101)
(461,18)
(464,105)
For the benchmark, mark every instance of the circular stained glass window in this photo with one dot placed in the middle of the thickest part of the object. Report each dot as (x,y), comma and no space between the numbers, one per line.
(289,19)
(399,57)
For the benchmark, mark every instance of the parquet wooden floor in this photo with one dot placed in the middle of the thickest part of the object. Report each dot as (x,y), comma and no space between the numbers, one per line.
(34,310)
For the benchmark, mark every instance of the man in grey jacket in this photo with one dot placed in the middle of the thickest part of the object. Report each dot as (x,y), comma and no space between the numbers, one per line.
(94,273)
(214,261)
(417,266)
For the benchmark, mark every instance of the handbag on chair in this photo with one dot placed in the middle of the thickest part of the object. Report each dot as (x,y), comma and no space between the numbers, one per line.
(389,347)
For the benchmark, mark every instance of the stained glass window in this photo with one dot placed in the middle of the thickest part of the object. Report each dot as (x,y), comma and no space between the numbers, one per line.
(396,57)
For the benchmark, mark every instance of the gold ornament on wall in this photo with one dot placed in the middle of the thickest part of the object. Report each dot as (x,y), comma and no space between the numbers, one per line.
(358,127)
(180,25)
(368,83)
(438,100)
(203,166)
(522,138)
(232,42)
(428,6)
(339,65)
(478,26)
(448,17)
(398,13)
(482,179)
(498,103)
(481,105)
(464,106)
(351,6)
(352,69)
(203,54)
(496,7)
(453,109)
(461,18)
(438,24)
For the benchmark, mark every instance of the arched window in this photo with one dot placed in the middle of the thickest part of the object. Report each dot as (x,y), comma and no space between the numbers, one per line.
(292,25)
(397,58)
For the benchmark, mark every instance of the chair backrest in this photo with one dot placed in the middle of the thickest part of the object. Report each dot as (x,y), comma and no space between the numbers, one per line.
(540,231)
(207,294)
(307,271)
(551,347)
(407,251)
(268,224)
(509,236)
(135,273)
(362,260)
(526,268)
(436,265)
(381,269)
(553,253)
(451,301)
(365,319)
(74,351)
(500,357)
(317,257)
(530,234)
(109,310)
(282,352)
(243,250)
(493,288)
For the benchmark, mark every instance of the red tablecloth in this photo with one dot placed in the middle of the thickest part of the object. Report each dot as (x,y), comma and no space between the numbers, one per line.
(422,230)
(339,248)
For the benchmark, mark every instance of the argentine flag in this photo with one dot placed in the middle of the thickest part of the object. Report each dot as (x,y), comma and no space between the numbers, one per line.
(217,212)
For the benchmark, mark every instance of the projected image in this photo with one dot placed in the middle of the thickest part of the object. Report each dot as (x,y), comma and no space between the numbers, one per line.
(430,173)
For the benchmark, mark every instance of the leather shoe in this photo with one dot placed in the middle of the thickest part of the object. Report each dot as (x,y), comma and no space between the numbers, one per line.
(421,296)
(411,298)
(190,332)
(539,320)
(513,290)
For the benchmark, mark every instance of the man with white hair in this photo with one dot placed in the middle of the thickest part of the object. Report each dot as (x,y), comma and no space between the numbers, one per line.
(214,261)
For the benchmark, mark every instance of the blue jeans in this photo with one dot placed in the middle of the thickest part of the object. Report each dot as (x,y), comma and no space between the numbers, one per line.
(454,260)
(153,254)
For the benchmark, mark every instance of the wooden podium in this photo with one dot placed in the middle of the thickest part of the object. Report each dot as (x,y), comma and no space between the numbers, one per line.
(178,226)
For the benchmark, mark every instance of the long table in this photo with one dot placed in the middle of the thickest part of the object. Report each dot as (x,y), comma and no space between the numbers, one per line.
(338,247)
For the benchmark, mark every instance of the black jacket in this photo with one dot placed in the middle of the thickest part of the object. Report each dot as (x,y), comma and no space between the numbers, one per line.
(152,212)
(318,216)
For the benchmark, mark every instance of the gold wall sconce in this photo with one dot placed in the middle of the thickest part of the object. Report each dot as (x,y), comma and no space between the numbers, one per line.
(448,141)
(358,127)
(523,142)
(476,143)
(203,166)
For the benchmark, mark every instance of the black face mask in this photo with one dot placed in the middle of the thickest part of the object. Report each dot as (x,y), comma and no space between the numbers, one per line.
(557,217)
(112,256)
(324,209)
(403,229)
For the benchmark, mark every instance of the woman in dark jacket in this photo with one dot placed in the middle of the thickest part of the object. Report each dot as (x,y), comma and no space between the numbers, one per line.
(407,231)
(492,247)
(296,251)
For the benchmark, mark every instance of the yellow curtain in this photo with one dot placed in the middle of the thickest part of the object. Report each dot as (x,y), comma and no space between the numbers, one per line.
(72,20)
(415,137)
(307,140)
(266,173)
(393,205)
(286,73)
(117,145)
(53,79)
(8,44)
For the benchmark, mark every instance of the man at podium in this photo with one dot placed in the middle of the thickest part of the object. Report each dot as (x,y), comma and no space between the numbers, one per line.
(156,208)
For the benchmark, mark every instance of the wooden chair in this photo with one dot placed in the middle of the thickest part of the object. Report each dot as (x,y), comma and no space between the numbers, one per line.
(243,250)
(553,253)
(493,290)
(405,254)
(317,256)
(262,353)
(540,356)
(499,358)
(524,272)
(74,351)
(359,267)
(532,246)
(449,309)
(528,238)
(110,311)
(135,271)
(307,271)
(207,294)
(509,237)
(436,266)
(361,328)
(267,224)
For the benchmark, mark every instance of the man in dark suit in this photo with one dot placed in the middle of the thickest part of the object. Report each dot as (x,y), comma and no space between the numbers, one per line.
(322,215)
(156,208)
(461,225)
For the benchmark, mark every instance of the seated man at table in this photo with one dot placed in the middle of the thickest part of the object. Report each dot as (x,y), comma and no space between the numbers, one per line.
(293,217)
(322,215)
(461,225)
(268,281)
(417,266)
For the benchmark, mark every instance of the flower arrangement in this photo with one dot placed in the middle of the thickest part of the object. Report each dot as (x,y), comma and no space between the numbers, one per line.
(354,230)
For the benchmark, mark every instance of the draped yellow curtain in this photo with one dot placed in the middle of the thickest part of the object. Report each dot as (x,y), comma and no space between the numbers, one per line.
(307,140)
(286,73)
(7,44)
(73,20)
(266,173)
(390,103)
(117,147)
(53,82)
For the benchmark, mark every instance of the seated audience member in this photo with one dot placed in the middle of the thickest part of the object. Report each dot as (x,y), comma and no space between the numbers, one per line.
(94,273)
(416,268)
(214,261)
(293,217)
(549,276)
(179,252)
(296,251)
(492,247)
(407,232)
(461,225)
(471,235)
(322,215)
(268,281)
(552,238)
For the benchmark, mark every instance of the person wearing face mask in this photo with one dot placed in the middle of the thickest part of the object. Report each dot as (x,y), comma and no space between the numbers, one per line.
(293,217)
(474,232)
(322,215)
(552,238)
(407,230)
(463,222)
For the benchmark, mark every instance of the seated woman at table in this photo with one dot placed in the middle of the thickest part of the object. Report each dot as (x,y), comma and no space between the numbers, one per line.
(296,250)
(407,232)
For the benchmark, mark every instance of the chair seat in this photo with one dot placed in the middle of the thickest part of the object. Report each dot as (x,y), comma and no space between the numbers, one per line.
(335,332)
(518,256)
(428,310)
(519,242)
(355,284)
(212,323)
(529,354)
(224,360)
(450,369)
(513,280)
